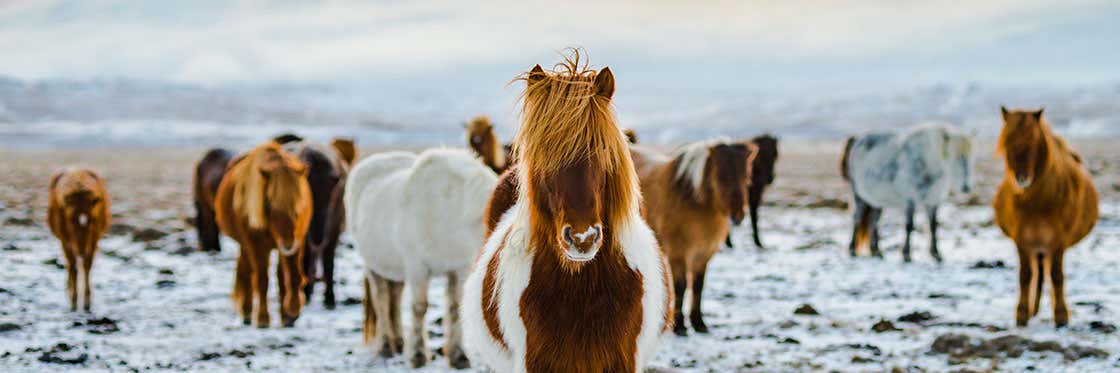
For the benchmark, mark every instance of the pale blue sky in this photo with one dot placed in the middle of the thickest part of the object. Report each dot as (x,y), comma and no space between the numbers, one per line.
(733,46)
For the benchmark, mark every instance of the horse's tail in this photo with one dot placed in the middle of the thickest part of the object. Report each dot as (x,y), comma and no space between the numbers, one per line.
(369,325)
(844,158)
(863,229)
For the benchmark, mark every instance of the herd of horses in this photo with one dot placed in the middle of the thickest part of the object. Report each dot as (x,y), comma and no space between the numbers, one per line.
(574,248)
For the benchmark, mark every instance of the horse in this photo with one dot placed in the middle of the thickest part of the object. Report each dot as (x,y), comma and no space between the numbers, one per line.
(413,216)
(78,215)
(208,175)
(264,203)
(918,166)
(762,175)
(571,277)
(688,200)
(481,138)
(1046,203)
(326,175)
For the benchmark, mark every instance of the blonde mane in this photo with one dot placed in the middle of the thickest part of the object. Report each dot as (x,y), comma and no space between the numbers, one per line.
(253,194)
(564,120)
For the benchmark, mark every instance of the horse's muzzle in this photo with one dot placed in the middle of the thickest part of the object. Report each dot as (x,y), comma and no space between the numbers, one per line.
(582,246)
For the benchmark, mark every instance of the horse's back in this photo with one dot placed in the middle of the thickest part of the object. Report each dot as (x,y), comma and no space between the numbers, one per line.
(892,169)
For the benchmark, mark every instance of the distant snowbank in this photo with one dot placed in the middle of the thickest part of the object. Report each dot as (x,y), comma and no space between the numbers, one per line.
(99,113)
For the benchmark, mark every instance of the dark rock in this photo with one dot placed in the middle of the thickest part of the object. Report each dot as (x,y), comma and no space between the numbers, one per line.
(166,272)
(916,317)
(8,327)
(788,324)
(207,356)
(962,348)
(351,301)
(54,262)
(120,229)
(830,203)
(12,247)
(165,284)
(19,222)
(806,309)
(884,326)
(148,235)
(57,355)
(102,325)
(989,265)
(857,359)
(1102,327)
(789,341)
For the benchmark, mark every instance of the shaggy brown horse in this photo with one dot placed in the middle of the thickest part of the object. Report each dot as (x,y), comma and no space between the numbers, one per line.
(481,138)
(572,261)
(688,200)
(326,175)
(264,203)
(208,175)
(762,175)
(1046,203)
(78,214)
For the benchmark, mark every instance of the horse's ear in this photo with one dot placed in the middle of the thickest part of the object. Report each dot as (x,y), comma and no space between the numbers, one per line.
(536,74)
(604,83)
(345,149)
(1038,114)
(1003,111)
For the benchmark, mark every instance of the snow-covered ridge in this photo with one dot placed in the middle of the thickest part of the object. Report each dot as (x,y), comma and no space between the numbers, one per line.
(125,112)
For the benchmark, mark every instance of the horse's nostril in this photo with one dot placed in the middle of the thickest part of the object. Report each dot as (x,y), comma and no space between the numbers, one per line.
(567,234)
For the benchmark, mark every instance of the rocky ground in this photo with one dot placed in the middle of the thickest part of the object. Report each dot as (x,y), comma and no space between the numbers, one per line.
(800,305)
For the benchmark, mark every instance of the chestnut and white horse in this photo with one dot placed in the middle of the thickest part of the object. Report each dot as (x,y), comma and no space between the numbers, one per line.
(412,217)
(571,278)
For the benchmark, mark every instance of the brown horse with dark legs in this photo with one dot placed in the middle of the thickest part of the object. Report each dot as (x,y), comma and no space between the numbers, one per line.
(264,203)
(762,175)
(1046,203)
(688,200)
(78,214)
(326,175)
(483,141)
(208,175)
(580,282)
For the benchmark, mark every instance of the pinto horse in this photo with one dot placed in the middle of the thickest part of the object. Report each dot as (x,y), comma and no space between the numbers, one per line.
(326,175)
(78,215)
(1046,203)
(481,138)
(413,217)
(688,200)
(264,203)
(208,175)
(571,278)
(911,168)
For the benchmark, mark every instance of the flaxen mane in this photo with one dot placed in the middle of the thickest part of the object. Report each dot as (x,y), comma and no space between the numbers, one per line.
(689,165)
(564,121)
(255,193)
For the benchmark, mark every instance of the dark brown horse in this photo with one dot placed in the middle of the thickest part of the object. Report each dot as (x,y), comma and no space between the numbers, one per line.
(326,175)
(762,175)
(484,143)
(1046,203)
(208,175)
(264,203)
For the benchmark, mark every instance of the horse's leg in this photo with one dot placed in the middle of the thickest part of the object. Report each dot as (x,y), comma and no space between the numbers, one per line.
(71,277)
(309,258)
(382,335)
(680,283)
(1057,285)
(87,264)
(207,228)
(695,315)
(327,258)
(416,350)
(1041,268)
(932,212)
(858,213)
(395,332)
(453,340)
(909,229)
(876,213)
(753,200)
(242,287)
(1026,275)
(260,265)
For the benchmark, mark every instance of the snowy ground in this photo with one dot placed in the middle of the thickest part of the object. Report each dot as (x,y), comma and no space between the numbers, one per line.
(158,305)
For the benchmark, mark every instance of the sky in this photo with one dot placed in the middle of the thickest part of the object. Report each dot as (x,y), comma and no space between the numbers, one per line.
(717,45)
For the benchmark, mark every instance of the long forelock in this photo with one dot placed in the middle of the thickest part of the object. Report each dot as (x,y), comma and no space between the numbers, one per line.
(564,121)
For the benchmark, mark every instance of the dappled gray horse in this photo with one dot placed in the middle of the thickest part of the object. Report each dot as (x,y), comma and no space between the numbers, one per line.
(913,167)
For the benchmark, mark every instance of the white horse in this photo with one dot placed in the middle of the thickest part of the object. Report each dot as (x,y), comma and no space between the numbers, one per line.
(913,167)
(412,217)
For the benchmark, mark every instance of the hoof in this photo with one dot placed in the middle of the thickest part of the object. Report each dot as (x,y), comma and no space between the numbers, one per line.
(418,360)
(699,326)
(680,330)
(458,360)
(386,350)
(246,321)
(288,321)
